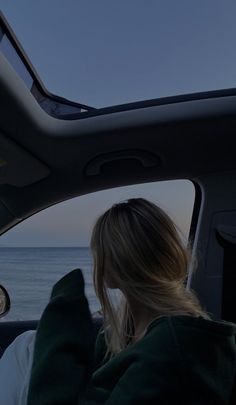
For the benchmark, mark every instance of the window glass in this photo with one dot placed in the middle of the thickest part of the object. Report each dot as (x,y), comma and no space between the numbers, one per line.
(40,250)
(111,53)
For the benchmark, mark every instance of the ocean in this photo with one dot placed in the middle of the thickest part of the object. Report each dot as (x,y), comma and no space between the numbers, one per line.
(29,274)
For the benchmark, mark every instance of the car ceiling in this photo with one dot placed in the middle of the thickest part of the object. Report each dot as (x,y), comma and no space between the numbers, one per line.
(44,160)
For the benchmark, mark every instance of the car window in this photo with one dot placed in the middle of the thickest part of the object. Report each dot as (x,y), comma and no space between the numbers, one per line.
(40,250)
(113,53)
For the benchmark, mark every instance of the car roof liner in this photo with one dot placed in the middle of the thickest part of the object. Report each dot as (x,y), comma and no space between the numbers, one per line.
(45,159)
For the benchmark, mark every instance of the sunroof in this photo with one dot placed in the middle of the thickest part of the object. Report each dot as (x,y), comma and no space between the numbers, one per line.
(104,54)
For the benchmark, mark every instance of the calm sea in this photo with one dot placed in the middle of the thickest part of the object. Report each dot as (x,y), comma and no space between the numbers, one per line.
(29,274)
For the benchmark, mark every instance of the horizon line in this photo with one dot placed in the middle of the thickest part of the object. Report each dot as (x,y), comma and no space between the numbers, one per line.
(45,247)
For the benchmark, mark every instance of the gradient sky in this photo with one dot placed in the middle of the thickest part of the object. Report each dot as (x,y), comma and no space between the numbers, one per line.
(109,52)
(70,223)
(106,53)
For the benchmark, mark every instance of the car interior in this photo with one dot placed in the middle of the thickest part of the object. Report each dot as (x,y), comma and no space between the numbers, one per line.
(53,149)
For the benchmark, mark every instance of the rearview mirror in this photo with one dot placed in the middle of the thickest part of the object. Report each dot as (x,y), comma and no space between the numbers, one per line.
(5,302)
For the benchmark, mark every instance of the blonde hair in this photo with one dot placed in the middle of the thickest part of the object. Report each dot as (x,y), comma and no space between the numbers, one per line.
(137,249)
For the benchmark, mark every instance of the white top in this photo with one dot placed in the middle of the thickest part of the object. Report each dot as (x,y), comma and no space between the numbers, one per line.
(15,367)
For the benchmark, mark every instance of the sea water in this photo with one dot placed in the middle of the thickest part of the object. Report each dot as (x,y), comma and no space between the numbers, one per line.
(29,274)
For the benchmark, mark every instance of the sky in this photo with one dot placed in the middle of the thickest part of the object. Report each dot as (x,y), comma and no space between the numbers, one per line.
(70,223)
(114,52)
(111,52)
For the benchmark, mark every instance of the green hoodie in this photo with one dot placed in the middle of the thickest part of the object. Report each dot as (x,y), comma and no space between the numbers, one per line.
(180,360)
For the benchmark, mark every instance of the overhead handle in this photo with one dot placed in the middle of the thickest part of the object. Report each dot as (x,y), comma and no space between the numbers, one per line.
(146,159)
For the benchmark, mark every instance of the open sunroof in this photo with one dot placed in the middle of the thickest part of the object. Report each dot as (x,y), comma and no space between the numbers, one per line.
(55,106)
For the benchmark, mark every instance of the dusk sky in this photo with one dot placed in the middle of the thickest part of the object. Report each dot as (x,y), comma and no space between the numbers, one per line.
(113,52)
(70,223)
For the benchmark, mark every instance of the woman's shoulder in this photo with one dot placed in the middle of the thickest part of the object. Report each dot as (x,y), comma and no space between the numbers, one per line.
(208,323)
(189,336)
(181,323)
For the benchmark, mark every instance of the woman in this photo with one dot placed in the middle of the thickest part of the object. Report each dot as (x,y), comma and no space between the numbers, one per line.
(158,347)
